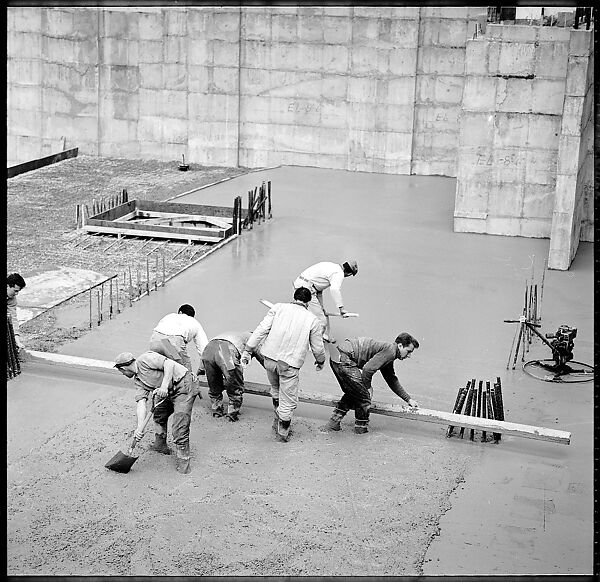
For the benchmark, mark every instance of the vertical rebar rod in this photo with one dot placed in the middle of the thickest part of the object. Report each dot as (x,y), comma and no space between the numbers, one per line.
(137,278)
(473,412)
(110,301)
(484,409)
(130,286)
(117,292)
(90,309)
(163,268)
(156,273)
(516,354)
(458,405)
(98,303)
(269,197)
(148,275)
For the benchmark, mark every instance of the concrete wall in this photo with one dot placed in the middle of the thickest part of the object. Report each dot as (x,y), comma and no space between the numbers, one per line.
(526,127)
(358,88)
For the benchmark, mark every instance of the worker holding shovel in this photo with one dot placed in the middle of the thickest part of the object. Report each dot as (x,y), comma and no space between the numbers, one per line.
(171,384)
(354,362)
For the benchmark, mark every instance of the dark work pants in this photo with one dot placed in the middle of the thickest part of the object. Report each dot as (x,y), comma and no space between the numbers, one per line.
(356,396)
(221,361)
(179,403)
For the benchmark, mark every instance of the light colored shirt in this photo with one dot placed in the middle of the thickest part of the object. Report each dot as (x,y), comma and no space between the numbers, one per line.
(183,325)
(288,330)
(321,276)
(151,370)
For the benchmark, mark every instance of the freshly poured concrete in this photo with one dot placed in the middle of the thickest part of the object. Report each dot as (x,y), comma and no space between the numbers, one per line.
(525,507)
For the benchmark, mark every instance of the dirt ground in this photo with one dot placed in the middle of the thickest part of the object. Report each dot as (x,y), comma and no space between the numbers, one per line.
(251,506)
(41,228)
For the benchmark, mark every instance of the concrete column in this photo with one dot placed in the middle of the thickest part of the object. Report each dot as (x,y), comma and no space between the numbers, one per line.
(573,177)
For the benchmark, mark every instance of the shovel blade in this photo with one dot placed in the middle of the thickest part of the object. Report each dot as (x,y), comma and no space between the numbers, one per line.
(121,463)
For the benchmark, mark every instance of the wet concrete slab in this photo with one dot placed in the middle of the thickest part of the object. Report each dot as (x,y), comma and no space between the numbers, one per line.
(451,291)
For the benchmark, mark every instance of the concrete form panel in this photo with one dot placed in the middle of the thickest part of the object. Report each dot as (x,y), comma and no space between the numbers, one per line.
(505,199)
(225,80)
(511,130)
(476,57)
(566,187)
(116,51)
(397,91)
(151,76)
(150,52)
(395,118)
(24,19)
(440,89)
(310,29)
(551,60)
(581,43)
(23,72)
(176,22)
(175,49)
(538,202)
(577,76)
(150,129)
(362,89)
(519,33)
(572,116)
(553,34)
(26,45)
(535,227)
(60,22)
(476,129)
(335,59)
(26,123)
(119,24)
(284,28)
(334,114)
(444,32)
(403,61)
(514,95)
(150,102)
(540,167)
(568,157)
(441,60)
(543,132)
(151,26)
(516,58)
(547,96)
(337,30)
(364,60)
(479,94)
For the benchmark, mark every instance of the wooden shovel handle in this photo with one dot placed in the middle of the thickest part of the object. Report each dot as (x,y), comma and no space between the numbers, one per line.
(146,421)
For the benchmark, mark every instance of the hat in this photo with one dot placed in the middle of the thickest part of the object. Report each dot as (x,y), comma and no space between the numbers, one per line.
(123,359)
(352,266)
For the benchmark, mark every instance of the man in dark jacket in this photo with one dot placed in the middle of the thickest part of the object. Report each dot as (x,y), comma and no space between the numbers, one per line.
(354,363)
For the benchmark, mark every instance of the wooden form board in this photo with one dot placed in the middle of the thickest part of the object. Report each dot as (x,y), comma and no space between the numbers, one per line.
(395,410)
(118,220)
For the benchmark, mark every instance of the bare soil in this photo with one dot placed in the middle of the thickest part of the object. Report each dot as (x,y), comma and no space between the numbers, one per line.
(41,229)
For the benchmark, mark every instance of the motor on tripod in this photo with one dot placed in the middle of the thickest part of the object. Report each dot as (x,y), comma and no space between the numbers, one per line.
(562,343)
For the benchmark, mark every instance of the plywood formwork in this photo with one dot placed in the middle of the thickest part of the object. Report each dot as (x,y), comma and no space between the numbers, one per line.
(167,220)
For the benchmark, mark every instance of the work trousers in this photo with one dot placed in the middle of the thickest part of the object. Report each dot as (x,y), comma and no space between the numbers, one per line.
(356,396)
(284,380)
(179,403)
(171,346)
(221,361)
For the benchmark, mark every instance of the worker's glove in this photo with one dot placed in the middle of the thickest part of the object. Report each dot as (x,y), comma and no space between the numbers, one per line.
(319,366)
(201,372)
(245,359)
(343,312)
(413,403)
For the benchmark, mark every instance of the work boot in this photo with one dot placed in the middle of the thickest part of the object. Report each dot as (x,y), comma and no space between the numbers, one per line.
(334,422)
(233,416)
(283,431)
(276,416)
(217,412)
(361,426)
(182,463)
(160,444)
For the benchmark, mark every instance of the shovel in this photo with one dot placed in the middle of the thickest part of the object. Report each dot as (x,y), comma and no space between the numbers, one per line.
(347,314)
(122,462)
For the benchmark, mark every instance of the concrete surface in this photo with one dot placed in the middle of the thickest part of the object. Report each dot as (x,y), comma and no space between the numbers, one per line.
(519,507)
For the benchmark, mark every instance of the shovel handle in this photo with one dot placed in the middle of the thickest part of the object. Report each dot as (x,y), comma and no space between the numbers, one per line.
(145,423)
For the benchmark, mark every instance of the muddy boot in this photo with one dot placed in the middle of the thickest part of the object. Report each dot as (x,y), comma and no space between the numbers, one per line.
(276,416)
(361,426)
(283,431)
(182,463)
(160,444)
(334,422)
(233,414)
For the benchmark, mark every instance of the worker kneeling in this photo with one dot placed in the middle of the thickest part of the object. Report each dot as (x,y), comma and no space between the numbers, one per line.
(354,363)
(173,388)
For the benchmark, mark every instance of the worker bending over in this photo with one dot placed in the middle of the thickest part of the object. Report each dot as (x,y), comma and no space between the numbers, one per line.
(224,371)
(354,362)
(321,276)
(174,332)
(162,378)
(288,330)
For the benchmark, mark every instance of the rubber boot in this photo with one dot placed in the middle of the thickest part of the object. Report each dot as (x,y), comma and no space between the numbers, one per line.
(160,444)
(283,431)
(233,413)
(182,463)
(334,422)
(361,426)
(276,416)
(217,407)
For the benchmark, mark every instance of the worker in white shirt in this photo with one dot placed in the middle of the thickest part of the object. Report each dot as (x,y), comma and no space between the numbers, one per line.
(174,332)
(321,276)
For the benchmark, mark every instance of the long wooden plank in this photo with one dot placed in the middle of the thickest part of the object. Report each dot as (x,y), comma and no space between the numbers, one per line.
(395,410)
(153,233)
(40,162)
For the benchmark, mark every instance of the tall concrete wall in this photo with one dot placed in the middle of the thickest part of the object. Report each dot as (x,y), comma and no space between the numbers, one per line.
(526,127)
(359,88)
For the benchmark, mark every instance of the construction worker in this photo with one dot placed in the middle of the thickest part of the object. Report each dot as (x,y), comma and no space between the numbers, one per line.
(174,332)
(14,284)
(224,371)
(354,362)
(288,330)
(159,376)
(321,276)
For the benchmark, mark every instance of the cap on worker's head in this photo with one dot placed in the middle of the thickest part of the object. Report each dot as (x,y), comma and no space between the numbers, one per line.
(123,359)
(351,267)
